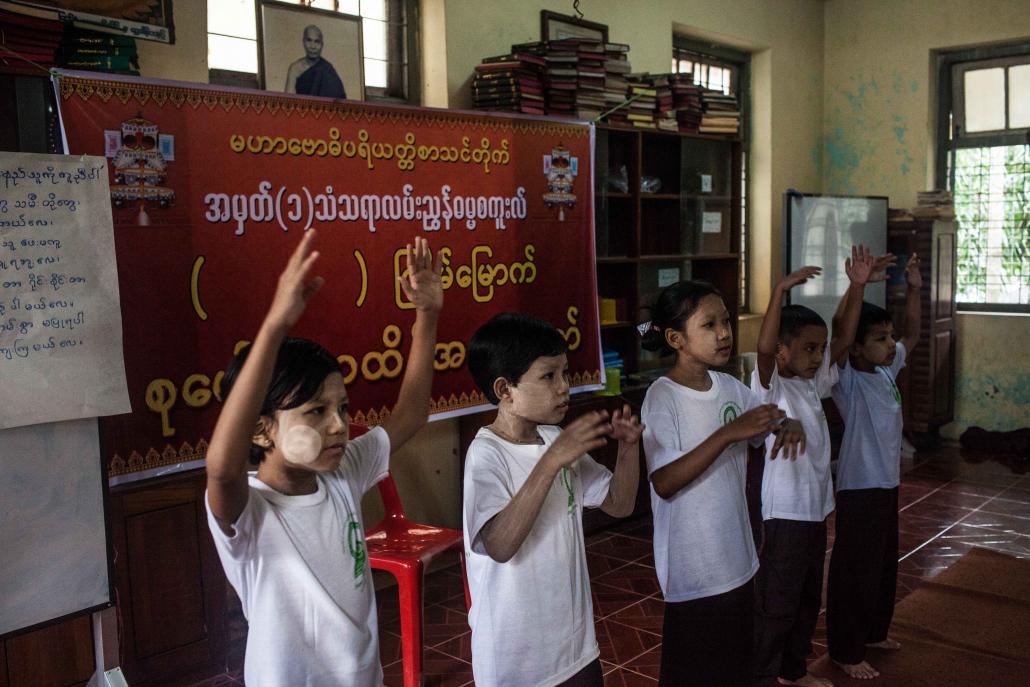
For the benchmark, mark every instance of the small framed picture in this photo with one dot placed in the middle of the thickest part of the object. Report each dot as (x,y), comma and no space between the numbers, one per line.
(310,51)
(112,143)
(166,144)
(556,27)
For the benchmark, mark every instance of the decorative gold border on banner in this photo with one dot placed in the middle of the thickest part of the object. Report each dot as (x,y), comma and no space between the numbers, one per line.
(169,455)
(194,98)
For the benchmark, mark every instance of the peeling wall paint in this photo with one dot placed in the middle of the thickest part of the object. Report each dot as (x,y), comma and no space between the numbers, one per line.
(866,148)
(992,389)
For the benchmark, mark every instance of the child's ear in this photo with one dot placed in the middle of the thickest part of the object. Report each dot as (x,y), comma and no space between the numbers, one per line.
(782,352)
(502,388)
(263,432)
(675,338)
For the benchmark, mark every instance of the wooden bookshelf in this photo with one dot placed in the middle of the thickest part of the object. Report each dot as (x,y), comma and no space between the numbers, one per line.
(688,227)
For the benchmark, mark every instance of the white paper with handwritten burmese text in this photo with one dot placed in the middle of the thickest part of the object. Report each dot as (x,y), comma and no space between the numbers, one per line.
(60,322)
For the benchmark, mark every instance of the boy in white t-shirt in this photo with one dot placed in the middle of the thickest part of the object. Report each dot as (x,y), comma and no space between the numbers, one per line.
(795,372)
(864,563)
(526,484)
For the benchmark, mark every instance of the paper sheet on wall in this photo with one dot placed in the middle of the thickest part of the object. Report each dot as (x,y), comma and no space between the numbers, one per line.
(60,319)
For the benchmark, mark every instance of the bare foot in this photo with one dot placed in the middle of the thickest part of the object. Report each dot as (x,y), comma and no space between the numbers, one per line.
(859,671)
(890,644)
(807,680)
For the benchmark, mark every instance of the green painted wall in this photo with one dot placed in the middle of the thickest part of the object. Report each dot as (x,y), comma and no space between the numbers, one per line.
(877,139)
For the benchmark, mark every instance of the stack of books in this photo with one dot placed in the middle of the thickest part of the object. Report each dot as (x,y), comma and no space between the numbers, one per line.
(590,79)
(98,52)
(560,76)
(644,96)
(721,113)
(934,204)
(616,67)
(33,38)
(664,108)
(511,82)
(686,102)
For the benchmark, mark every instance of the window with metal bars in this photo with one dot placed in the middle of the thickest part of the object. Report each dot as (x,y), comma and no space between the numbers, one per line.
(985,160)
(388,47)
(726,70)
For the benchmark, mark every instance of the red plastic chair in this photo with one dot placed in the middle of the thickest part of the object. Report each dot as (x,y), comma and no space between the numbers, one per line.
(404,549)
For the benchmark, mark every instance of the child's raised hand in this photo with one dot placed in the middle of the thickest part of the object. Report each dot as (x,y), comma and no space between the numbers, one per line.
(295,286)
(912,276)
(791,438)
(860,266)
(880,266)
(584,434)
(626,426)
(799,277)
(755,422)
(421,281)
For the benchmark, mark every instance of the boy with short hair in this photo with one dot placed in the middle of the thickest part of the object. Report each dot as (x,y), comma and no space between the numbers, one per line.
(864,563)
(526,484)
(795,371)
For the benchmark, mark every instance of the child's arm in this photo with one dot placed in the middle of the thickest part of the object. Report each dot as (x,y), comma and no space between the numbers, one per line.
(669,479)
(913,304)
(230,443)
(422,286)
(859,267)
(506,531)
(769,335)
(622,490)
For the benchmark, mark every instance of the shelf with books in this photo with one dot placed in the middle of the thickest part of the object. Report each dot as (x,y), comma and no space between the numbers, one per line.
(687,229)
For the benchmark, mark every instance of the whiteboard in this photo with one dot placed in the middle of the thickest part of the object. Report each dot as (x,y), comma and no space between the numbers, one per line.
(53,535)
(820,231)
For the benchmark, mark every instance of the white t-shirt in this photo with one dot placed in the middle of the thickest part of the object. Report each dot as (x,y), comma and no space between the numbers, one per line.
(299,566)
(702,536)
(870,453)
(800,489)
(532,617)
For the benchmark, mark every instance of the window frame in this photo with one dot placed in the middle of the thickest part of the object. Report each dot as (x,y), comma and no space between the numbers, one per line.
(949,88)
(740,62)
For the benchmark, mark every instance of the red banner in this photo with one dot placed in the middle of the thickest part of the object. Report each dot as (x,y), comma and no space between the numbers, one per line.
(212,188)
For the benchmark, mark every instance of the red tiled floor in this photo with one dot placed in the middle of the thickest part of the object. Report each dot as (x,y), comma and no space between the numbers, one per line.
(947,507)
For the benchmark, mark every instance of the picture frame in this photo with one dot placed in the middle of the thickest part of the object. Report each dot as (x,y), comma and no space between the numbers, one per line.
(554,26)
(291,59)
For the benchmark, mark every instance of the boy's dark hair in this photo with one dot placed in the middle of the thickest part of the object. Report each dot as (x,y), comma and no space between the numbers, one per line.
(870,316)
(794,318)
(506,347)
(301,367)
(674,306)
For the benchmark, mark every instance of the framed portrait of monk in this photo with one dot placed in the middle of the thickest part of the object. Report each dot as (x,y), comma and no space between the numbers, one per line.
(310,51)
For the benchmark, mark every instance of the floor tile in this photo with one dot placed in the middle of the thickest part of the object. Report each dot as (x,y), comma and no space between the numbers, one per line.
(633,577)
(648,664)
(647,615)
(620,677)
(609,600)
(621,547)
(621,643)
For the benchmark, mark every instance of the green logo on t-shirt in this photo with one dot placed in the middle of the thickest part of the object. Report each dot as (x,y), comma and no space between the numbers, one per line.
(356,546)
(567,481)
(729,412)
(892,387)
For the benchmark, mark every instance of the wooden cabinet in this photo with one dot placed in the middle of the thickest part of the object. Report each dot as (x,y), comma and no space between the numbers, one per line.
(169,582)
(59,655)
(927,383)
(667,208)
